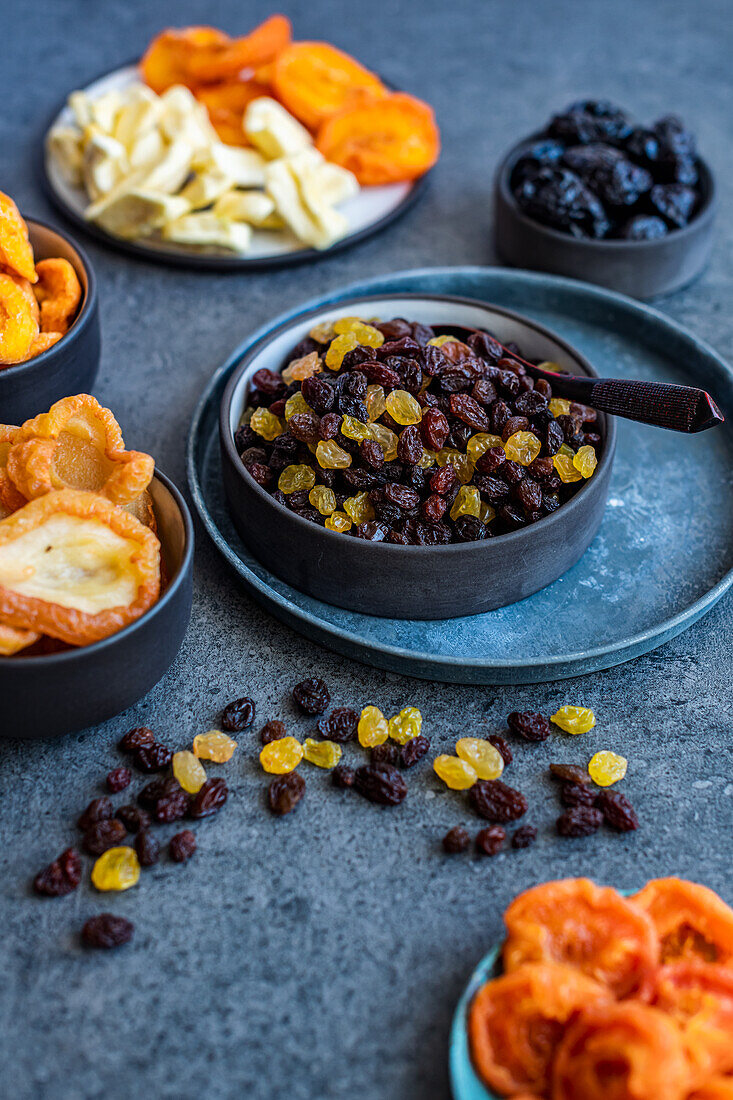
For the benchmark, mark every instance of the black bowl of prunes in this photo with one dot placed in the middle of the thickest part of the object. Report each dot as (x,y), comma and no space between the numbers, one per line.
(596,196)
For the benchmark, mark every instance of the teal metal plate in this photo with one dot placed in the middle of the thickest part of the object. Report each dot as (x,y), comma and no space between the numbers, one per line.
(662,558)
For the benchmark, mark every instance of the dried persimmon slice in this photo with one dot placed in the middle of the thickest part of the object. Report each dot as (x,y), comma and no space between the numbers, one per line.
(76,567)
(223,61)
(58,292)
(385,141)
(167,58)
(16,252)
(717,1088)
(77,444)
(592,928)
(18,319)
(516,1021)
(315,81)
(699,998)
(620,1051)
(692,921)
(13,640)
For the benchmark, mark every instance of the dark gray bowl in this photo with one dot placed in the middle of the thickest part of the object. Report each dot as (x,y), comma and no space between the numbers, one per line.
(71,365)
(46,696)
(643,269)
(410,582)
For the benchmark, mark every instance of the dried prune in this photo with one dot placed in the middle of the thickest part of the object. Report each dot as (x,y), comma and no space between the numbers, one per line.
(238,715)
(210,799)
(503,747)
(340,726)
(558,198)
(147,848)
(414,750)
(591,120)
(456,840)
(617,811)
(153,758)
(579,821)
(674,201)
(380,783)
(103,835)
(311,696)
(107,931)
(496,801)
(118,779)
(133,818)
(524,836)
(182,846)
(529,725)
(644,227)
(343,776)
(136,738)
(60,877)
(615,179)
(99,809)
(490,841)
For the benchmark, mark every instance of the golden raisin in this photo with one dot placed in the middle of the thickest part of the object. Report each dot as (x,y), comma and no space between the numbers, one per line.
(375,401)
(322,332)
(338,521)
(373,728)
(189,771)
(484,758)
(367,335)
(295,405)
(457,774)
(293,479)
(427,459)
(324,754)
(486,512)
(386,438)
(585,461)
(566,468)
(522,447)
(359,508)
(214,745)
(354,429)
(559,406)
(467,503)
(281,756)
(332,457)
(346,324)
(302,368)
(481,442)
(116,869)
(574,719)
(338,348)
(461,463)
(405,725)
(323,498)
(607,767)
(266,424)
(403,407)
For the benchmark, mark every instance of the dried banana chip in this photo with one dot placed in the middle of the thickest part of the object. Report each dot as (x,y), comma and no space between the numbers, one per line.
(206,230)
(76,567)
(273,130)
(254,207)
(77,444)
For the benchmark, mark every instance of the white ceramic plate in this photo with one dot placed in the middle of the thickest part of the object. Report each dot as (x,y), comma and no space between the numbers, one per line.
(367,213)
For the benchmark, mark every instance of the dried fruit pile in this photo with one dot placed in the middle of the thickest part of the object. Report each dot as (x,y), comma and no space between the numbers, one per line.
(38,301)
(606,996)
(186,793)
(390,433)
(595,173)
(381,136)
(79,554)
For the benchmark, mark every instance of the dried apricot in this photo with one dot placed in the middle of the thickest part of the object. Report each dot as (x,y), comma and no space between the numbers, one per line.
(167,59)
(315,81)
(58,292)
(699,998)
(18,324)
(692,922)
(16,253)
(717,1088)
(224,60)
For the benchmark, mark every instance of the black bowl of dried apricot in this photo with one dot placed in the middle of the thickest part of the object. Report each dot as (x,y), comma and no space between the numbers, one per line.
(412,469)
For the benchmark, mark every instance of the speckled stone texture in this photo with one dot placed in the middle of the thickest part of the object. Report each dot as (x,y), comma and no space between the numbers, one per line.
(320,956)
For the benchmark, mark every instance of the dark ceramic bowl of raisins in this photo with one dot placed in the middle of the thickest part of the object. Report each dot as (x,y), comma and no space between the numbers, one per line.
(595,196)
(49,690)
(460,509)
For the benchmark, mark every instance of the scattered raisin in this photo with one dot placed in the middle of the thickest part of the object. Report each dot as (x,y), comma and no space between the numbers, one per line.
(285,792)
(99,809)
(60,877)
(103,835)
(238,715)
(575,794)
(153,758)
(159,788)
(496,801)
(210,799)
(414,750)
(617,811)
(456,840)
(530,726)
(570,773)
(107,931)
(311,696)
(380,783)
(388,753)
(274,730)
(147,848)
(133,818)
(340,726)
(580,821)
(343,777)
(118,779)
(136,738)
(171,806)
(489,841)
(502,745)
(524,836)
(182,846)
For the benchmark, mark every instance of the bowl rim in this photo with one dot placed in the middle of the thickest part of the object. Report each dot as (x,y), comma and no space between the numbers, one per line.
(83,317)
(79,652)
(510,537)
(702,217)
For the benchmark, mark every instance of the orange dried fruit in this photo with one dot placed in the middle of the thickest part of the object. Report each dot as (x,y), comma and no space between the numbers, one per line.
(10,498)
(222,61)
(58,292)
(16,252)
(76,567)
(18,319)
(226,104)
(13,640)
(383,141)
(717,1088)
(692,922)
(625,1051)
(516,1021)
(143,511)
(43,342)
(591,928)
(699,998)
(315,81)
(168,57)
(77,444)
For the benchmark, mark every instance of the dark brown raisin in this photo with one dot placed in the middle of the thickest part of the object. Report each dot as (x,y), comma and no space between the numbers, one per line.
(484,391)
(103,835)
(147,848)
(159,788)
(443,480)
(99,809)
(106,931)
(263,475)
(434,428)
(60,877)
(170,807)
(268,382)
(133,818)
(238,715)
(153,758)
(343,777)
(182,846)
(494,800)
(340,725)
(456,840)
(490,841)
(434,507)
(371,531)
(136,738)
(371,453)
(118,779)
(329,426)
(575,794)
(305,427)
(273,730)
(617,811)
(530,726)
(311,696)
(401,496)
(580,821)
(380,783)
(524,836)
(570,773)
(285,792)
(414,750)
(503,747)
(529,494)
(210,799)
(388,753)
(469,411)
(512,472)
(409,446)
(514,424)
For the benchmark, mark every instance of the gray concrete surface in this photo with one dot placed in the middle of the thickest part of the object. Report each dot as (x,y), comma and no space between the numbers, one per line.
(321,956)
